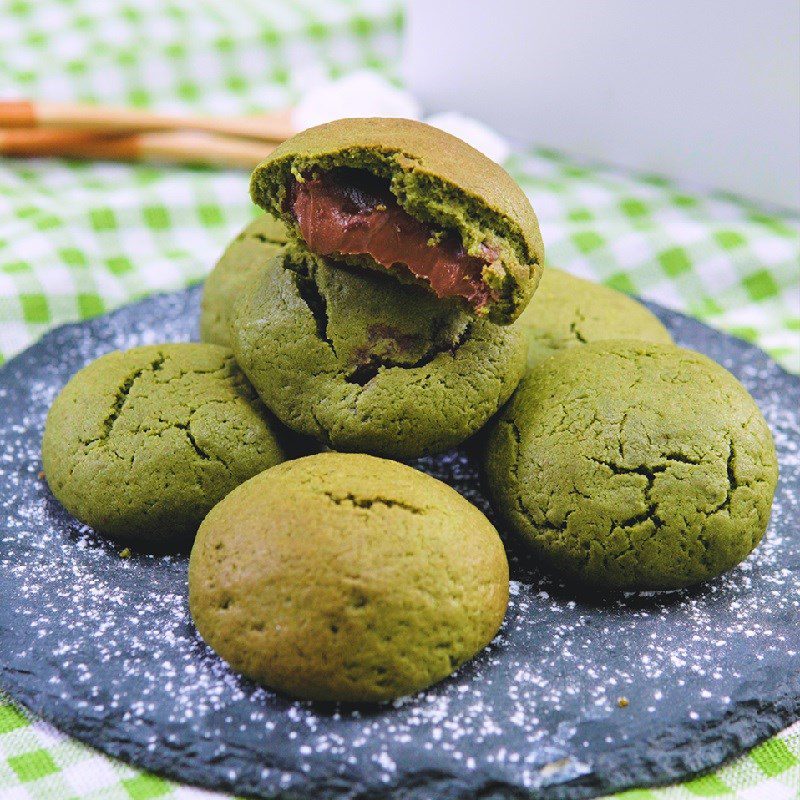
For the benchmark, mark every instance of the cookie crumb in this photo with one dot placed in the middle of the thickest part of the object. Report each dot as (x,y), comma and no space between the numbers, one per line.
(623,702)
(126,553)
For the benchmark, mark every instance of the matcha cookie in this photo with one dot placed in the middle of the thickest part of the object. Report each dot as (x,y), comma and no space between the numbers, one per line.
(141,444)
(347,577)
(633,465)
(566,311)
(400,196)
(242,259)
(361,363)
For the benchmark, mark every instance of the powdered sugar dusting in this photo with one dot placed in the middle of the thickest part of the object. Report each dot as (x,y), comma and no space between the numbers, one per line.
(575,691)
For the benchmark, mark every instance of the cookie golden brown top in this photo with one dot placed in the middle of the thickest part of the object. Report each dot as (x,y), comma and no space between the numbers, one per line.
(375,175)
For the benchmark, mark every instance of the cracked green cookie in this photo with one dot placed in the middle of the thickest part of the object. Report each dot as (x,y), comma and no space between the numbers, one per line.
(360,362)
(409,200)
(567,311)
(347,577)
(141,444)
(241,261)
(633,465)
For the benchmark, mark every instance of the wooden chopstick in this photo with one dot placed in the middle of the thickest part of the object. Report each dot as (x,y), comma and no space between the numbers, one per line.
(271,127)
(162,147)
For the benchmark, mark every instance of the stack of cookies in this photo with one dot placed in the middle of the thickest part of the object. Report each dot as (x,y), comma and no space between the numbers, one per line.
(380,327)
(383,309)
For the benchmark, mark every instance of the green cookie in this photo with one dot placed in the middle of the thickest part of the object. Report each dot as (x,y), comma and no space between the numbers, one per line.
(566,311)
(398,195)
(361,363)
(347,577)
(633,465)
(242,259)
(141,444)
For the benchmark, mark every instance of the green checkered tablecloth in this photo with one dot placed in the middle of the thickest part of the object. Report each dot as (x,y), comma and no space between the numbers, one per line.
(79,239)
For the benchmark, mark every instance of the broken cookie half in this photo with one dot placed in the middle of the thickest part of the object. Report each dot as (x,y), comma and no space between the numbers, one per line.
(403,197)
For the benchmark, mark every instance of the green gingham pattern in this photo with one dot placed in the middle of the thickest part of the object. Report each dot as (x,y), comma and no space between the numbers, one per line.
(718,258)
(79,239)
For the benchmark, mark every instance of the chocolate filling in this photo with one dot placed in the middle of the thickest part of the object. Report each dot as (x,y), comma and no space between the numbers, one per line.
(352,212)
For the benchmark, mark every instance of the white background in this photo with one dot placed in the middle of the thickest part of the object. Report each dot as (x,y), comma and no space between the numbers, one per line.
(706,91)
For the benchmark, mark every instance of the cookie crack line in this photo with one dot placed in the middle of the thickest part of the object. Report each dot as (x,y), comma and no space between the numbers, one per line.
(193,442)
(650,513)
(264,239)
(649,473)
(317,304)
(369,502)
(573,327)
(365,372)
(123,394)
(644,470)
(323,431)
(733,483)
(517,434)
(519,501)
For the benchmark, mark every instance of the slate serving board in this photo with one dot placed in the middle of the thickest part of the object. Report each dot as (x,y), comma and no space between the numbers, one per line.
(104,647)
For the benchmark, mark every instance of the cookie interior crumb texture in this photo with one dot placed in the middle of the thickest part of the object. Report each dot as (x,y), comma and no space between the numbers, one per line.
(140,444)
(633,465)
(347,577)
(468,229)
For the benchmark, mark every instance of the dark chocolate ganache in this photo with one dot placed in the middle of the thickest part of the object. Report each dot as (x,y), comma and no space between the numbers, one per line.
(352,212)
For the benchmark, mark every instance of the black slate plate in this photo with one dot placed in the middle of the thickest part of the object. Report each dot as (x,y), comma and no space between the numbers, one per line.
(104,647)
